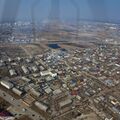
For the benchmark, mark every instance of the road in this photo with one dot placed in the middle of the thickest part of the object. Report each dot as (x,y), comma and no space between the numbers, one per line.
(18,104)
(26,51)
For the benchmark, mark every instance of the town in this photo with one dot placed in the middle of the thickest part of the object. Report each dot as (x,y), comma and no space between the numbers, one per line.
(60,84)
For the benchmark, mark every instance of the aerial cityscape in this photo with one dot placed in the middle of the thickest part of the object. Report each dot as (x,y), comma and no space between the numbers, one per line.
(59,70)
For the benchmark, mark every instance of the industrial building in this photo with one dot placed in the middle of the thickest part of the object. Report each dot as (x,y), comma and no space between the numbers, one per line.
(34,92)
(48,90)
(12,72)
(17,91)
(45,73)
(6,84)
(65,103)
(34,68)
(25,70)
(57,91)
(41,106)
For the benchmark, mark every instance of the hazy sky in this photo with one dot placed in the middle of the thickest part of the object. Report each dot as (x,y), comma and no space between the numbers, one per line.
(100,10)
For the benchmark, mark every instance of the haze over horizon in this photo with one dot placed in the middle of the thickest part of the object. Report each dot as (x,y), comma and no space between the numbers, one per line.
(70,10)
